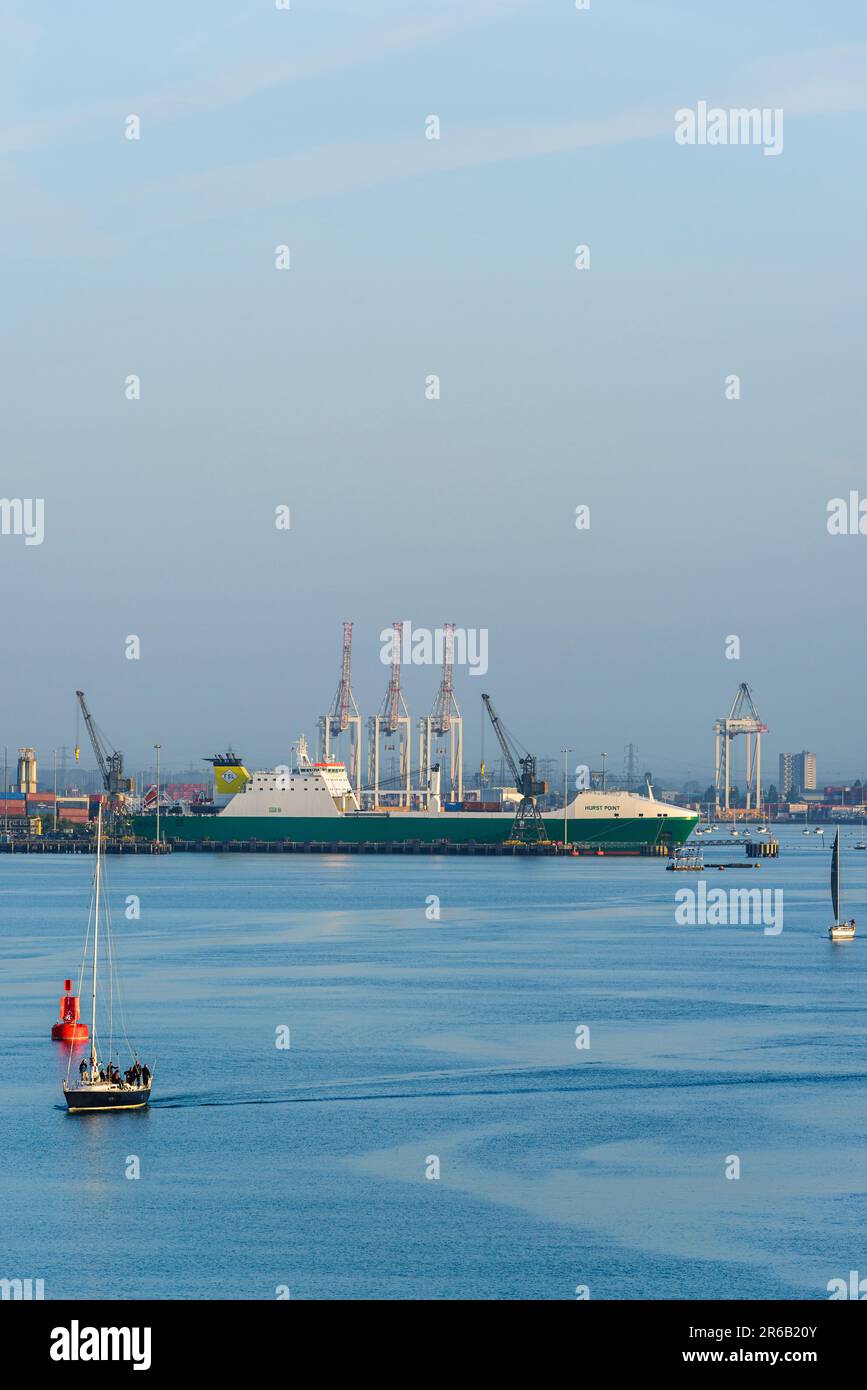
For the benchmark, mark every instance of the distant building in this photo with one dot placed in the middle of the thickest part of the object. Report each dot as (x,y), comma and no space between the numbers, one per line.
(26,770)
(673,796)
(787,776)
(185,791)
(843,795)
(797,773)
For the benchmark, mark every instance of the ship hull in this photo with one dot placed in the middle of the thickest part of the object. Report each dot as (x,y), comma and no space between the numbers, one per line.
(91,1098)
(623,833)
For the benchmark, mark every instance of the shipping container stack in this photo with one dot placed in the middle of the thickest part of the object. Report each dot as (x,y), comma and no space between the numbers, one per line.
(37,810)
(13,814)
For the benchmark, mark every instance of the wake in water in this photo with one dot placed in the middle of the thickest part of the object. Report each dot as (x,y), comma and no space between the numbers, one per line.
(463,1082)
(317,1090)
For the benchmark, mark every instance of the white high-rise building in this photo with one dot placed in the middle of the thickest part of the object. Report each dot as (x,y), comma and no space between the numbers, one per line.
(797,773)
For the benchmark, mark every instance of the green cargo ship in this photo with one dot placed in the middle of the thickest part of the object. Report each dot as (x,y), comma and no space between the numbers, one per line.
(315,803)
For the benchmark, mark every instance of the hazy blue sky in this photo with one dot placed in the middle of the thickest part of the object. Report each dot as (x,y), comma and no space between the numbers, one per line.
(408,257)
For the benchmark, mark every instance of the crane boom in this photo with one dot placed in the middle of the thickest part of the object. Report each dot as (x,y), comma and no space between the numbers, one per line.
(94,737)
(110,761)
(528,823)
(503,741)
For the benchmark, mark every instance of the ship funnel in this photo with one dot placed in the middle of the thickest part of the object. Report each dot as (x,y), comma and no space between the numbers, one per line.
(230,774)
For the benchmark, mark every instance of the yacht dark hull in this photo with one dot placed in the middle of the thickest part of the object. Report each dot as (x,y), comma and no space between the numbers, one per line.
(80,1099)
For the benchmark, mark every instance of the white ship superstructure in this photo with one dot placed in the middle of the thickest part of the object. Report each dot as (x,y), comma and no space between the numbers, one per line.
(304,789)
(324,789)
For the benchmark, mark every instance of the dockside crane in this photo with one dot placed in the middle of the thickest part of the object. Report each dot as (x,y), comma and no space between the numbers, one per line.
(743,718)
(393,719)
(109,760)
(343,715)
(528,826)
(444,721)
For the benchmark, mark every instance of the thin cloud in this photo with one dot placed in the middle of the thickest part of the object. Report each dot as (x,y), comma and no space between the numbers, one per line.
(808,85)
(820,83)
(223,88)
(348,166)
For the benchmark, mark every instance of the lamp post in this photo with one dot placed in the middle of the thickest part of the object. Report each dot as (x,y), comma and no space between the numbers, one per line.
(566,752)
(158,746)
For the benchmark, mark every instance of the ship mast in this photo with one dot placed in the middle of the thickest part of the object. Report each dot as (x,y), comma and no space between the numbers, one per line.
(95,945)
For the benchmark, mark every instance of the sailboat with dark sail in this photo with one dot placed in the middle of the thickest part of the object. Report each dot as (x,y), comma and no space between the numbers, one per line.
(100,1085)
(838,930)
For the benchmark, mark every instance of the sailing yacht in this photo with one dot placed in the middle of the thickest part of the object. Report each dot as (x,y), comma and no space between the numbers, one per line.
(101,1086)
(838,931)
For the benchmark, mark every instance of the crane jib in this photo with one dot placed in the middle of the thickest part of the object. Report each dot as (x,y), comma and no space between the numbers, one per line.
(528,823)
(110,761)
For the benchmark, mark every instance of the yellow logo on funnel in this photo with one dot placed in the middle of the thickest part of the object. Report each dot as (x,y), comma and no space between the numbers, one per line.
(230,779)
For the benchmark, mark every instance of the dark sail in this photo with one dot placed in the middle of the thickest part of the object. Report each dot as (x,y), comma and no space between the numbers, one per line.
(835,877)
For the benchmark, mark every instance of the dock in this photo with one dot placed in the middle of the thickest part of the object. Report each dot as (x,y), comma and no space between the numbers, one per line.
(466,848)
(763,849)
(129,844)
(37,844)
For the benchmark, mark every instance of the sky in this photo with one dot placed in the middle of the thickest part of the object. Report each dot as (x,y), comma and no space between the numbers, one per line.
(308,388)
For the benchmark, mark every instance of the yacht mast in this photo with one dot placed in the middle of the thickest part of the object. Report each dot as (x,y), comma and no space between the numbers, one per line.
(95,943)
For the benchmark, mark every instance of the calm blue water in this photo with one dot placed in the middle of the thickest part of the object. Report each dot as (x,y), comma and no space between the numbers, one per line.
(413,1038)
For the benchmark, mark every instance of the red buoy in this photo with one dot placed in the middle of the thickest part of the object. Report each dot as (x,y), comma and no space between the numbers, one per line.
(67,1028)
